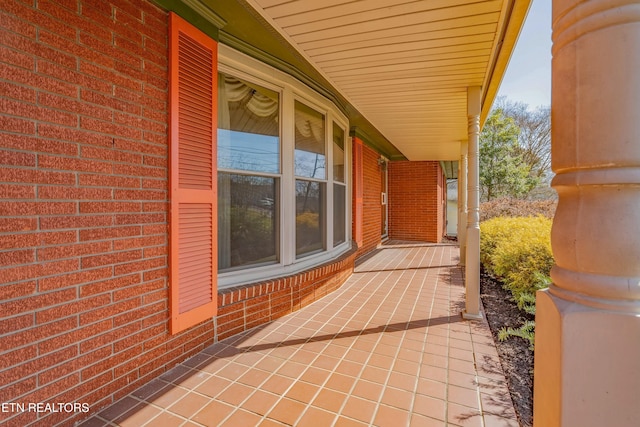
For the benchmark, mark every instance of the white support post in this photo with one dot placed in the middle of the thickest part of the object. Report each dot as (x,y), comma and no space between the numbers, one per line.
(472,265)
(462,202)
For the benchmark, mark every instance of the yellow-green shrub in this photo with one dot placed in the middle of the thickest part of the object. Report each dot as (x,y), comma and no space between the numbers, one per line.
(493,233)
(518,251)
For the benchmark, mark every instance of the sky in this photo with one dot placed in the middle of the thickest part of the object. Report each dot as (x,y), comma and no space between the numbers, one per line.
(528,76)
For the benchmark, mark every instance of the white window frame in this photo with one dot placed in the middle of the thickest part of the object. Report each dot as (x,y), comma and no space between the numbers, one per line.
(242,66)
(344,183)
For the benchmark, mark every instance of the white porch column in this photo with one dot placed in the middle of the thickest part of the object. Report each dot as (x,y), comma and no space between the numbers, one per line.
(472,262)
(587,358)
(462,202)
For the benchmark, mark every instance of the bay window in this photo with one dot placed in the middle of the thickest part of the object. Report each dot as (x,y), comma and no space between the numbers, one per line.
(248,173)
(283,168)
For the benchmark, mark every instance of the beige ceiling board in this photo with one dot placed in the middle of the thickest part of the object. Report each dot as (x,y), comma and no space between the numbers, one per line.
(404,65)
(283,9)
(415,48)
(368,40)
(410,117)
(406,58)
(414,83)
(423,101)
(392,88)
(419,109)
(409,129)
(336,21)
(431,142)
(445,151)
(436,152)
(409,98)
(419,31)
(443,66)
(406,134)
(410,94)
(429,139)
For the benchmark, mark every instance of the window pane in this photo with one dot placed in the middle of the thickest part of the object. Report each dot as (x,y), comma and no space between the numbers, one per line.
(338,153)
(247,220)
(248,126)
(310,143)
(310,223)
(339,214)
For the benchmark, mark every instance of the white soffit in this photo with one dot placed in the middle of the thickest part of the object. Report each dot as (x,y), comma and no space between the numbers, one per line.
(405,65)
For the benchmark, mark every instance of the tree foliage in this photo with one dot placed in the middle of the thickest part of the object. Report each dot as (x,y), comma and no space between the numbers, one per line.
(516,138)
(503,171)
(534,137)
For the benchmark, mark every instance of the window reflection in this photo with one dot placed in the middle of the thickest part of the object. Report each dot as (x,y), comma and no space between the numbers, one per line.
(310,223)
(247,220)
(248,128)
(339,214)
(310,143)
(338,153)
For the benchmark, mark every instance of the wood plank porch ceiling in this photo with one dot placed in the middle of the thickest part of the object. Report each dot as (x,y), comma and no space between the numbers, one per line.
(404,64)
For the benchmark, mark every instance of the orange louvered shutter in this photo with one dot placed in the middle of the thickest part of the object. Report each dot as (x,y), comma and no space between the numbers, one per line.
(358,191)
(193,219)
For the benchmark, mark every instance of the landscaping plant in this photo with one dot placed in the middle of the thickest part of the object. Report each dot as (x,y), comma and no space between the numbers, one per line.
(517,251)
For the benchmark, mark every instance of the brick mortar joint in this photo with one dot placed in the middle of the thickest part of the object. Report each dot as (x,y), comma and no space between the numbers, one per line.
(286,282)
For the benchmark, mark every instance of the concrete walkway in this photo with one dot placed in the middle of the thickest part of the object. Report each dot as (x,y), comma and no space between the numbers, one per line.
(389,348)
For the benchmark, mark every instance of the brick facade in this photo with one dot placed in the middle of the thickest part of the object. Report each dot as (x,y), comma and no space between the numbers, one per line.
(84,211)
(417,193)
(83,217)
(83,226)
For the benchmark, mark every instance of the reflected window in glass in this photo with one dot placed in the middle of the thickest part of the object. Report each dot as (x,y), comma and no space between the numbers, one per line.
(310,142)
(247,220)
(310,222)
(248,126)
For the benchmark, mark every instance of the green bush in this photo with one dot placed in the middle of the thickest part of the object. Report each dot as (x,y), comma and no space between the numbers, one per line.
(518,252)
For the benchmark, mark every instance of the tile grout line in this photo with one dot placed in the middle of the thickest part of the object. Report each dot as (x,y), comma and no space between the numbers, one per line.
(475,364)
(424,343)
(272,374)
(355,289)
(414,272)
(390,273)
(345,290)
(446,400)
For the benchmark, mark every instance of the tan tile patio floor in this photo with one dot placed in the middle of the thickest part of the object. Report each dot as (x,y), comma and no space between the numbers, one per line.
(389,348)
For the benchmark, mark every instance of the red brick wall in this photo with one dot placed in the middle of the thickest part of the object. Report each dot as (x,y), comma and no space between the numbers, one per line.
(416,204)
(83,217)
(83,211)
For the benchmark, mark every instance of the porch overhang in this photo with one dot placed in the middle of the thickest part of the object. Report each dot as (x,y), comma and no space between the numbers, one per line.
(399,69)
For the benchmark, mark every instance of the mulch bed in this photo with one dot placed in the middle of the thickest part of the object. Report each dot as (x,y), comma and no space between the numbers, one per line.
(515,355)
